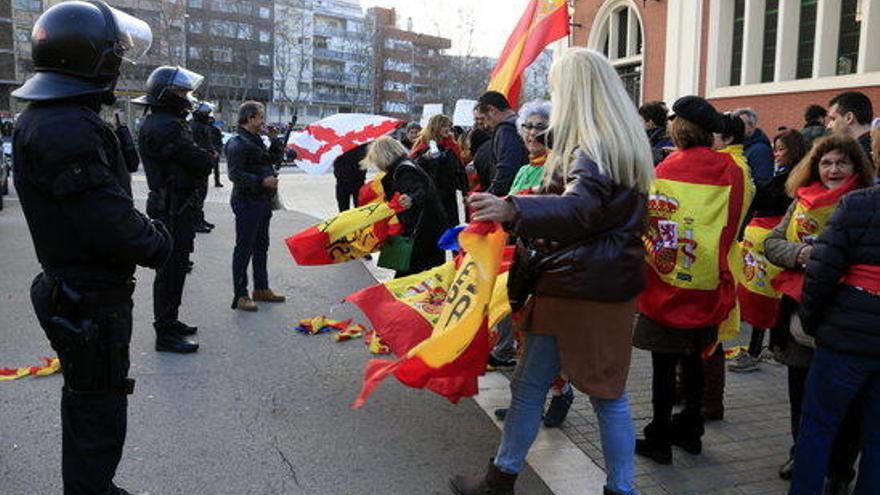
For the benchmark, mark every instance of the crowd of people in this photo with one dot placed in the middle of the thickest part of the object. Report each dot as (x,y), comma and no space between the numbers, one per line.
(690,223)
(633,227)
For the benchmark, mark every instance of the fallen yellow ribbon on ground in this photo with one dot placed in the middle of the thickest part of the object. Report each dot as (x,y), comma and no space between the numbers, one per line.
(51,366)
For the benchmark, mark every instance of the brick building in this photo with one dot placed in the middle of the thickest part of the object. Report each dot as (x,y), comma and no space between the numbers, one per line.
(8,81)
(776,56)
(408,66)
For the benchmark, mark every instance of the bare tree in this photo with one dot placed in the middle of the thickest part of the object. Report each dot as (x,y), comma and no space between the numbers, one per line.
(291,54)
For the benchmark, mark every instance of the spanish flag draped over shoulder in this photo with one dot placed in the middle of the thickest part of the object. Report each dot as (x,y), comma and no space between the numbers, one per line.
(814,206)
(543,22)
(449,361)
(694,212)
(759,301)
(348,236)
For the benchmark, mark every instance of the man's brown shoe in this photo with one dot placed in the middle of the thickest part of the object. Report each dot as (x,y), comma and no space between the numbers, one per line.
(244,303)
(266,295)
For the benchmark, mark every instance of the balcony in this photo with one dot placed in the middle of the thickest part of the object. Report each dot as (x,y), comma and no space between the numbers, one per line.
(338,98)
(336,77)
(331,31)
(328,54)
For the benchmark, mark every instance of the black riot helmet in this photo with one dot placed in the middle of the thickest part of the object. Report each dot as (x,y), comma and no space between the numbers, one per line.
(202,112)
(77,49)
(161,86)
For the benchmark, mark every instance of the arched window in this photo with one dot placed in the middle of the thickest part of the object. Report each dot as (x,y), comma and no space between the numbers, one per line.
(617,32)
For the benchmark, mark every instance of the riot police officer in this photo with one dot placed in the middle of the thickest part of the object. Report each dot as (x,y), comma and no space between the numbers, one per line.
(175,167)
(200,126)
(73,181)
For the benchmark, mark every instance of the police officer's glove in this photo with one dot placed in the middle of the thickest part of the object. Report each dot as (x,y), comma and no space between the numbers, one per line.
(164,246)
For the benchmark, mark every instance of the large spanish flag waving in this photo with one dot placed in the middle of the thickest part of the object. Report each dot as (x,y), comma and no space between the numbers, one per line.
(543,22)
(454,355)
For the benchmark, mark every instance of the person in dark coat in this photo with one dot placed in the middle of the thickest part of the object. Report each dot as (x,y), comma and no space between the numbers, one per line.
(841,308)
(255,184)
(814,124)
(655,115)
(350,176)
(200,127)
(176,167)
(509,151)
(424,219)
(217,141)
(481,167)
(75,190)
(759,152)
(851,113)
(438,154)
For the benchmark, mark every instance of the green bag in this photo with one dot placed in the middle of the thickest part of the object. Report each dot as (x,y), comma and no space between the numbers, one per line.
(396,253)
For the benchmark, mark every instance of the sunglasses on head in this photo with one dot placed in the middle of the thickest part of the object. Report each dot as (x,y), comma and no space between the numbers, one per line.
(537,127)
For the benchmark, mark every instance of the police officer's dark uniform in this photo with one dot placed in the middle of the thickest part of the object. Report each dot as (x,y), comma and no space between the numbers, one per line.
(175,167)
(75,190)
(217,140)
(200,127)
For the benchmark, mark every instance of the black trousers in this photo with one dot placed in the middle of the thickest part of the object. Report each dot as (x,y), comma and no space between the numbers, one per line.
(170,279)
(202,192)
(347,195)
(845,449)
(217,172)
(94,399)
(663,387)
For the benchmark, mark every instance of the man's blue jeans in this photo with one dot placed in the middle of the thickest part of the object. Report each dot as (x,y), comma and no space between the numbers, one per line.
(251,243)
(532,379)
(834,381)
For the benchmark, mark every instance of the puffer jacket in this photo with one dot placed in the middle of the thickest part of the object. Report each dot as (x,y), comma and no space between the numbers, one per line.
(588,236)
(842,316)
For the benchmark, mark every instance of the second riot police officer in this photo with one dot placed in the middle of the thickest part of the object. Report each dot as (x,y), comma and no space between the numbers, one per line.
(200,126)
(72,177)
(175,167)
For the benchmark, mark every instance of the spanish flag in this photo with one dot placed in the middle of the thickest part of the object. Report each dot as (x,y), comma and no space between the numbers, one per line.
(449,361)
(372,191)
(350,235)
(543,22)
(758,299)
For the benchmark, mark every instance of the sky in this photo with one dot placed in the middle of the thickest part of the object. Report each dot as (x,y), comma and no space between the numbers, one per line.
(492,21)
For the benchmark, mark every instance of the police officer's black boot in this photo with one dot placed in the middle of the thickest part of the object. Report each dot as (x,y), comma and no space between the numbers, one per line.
(183,329)
(169,340)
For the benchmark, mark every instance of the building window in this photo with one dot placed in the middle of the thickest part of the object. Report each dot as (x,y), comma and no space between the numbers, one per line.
(617,32)
(265,60)
(771,27)
(265,36)
(265,84)
(265,13)
(806,38)
(221,54)
(736,58)
(395,107)
(195,27)
(245,31)
(195,52)
(29,5)
(176,51)
(194,4)
(848,42)
(22,35)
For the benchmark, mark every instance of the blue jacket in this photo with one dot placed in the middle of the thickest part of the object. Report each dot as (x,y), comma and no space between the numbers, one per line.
(759,154)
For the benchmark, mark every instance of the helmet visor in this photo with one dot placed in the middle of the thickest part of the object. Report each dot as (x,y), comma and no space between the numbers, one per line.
(186,79)
(135,35)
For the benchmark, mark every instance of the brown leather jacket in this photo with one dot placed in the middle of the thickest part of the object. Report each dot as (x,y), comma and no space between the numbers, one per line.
(588,236)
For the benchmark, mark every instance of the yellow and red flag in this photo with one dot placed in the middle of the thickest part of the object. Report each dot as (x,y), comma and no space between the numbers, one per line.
(348,236)
(543,22)
(694,213)
(814,206)
(449,359)
(372,191)
(50,366)
(759,301)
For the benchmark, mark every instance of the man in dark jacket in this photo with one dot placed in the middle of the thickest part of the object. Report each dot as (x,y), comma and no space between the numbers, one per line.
(175,167)
(350,176)
(75,192)
(509,152)
(655,115)
(255,184)
(814,126)
(851,113)
(759,151)
(841,307)
(200,127)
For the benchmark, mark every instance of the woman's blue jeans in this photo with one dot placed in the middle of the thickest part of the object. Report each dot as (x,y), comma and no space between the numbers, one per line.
(532,379)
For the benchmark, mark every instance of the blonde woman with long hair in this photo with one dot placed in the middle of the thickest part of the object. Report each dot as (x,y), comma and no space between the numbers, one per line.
(585,224)
(437,152)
